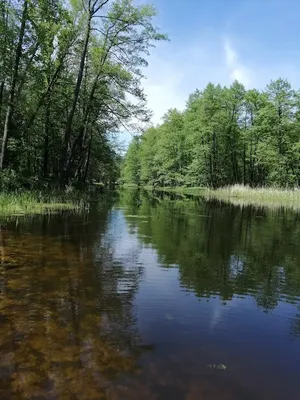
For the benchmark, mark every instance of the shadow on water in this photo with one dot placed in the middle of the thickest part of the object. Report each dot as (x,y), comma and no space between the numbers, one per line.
(147,296)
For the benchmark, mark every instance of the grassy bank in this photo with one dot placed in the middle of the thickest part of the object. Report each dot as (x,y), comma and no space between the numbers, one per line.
(243,195)
(197,191)
(267,197)
(35,203)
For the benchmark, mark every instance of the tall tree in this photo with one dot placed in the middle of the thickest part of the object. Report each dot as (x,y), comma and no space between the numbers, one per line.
(14,79)
(227,136)
(131,168)
(70,75)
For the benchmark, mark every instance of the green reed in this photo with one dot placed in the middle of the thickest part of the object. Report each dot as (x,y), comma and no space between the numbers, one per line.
(37,203)
(243,195)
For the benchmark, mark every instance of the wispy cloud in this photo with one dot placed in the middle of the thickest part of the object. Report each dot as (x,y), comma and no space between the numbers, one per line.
(163,86)
(236,69)
(174,73)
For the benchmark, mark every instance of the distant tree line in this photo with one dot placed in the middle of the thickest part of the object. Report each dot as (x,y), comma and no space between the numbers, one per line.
(225,136)
(70,74)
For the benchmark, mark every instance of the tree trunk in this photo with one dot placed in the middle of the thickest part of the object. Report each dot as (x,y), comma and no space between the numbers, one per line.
(46,142)
(23,78)
(3,53)
(251,163)
(245,165)
(215,178)
(11,98)
(212,184)
(1,94)
(45,94)
(64,159)
(80,140)
(87,164)
(67,136)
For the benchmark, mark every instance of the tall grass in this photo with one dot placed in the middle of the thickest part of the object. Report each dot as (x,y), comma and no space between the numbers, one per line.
(268,197)
(197,191)
(35,203)
(244,195)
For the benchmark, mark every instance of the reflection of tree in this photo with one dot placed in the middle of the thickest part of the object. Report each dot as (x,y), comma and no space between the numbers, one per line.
(223,249)
(295,326)
(65,330)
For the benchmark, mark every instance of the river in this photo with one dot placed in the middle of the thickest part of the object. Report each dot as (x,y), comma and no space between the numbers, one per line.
(149,297)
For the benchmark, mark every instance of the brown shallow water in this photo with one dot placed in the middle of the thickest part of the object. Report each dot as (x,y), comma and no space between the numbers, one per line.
(151,298)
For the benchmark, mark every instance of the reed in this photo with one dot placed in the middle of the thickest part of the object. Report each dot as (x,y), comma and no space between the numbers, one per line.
(243,195)
(21,203)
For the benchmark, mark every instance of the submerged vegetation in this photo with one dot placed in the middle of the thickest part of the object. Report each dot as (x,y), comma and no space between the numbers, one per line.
(47,275)
(226,136)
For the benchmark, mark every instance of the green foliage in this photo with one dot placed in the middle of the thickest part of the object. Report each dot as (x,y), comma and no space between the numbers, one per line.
(131,168)
(226,136)
(68,72)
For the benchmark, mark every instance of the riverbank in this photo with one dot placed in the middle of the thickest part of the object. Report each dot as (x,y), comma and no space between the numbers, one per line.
(242,195)
(35,203)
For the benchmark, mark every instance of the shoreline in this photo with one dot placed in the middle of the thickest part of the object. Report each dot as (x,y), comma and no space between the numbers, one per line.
(269,197)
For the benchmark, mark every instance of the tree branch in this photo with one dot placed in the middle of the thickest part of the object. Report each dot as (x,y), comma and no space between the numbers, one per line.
(95,10)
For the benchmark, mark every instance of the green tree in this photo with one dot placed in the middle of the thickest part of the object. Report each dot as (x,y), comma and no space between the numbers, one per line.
(131,167)
(169,155)
(148,149)
(227,136)
(14,80)
(70,75)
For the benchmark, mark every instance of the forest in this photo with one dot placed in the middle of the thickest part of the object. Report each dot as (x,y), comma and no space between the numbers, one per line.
(225,136)
(70,78)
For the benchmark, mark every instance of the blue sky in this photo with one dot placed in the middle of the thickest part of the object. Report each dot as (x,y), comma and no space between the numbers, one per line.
(218,41)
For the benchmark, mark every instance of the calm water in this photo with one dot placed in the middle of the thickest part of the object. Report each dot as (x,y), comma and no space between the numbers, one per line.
(151,298)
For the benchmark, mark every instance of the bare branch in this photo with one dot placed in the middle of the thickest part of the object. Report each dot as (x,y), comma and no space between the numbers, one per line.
(118,118)
(124,21)
(95,10)
(98,30)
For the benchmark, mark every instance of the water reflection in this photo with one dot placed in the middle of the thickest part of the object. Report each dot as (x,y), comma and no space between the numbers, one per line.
(221,249)
(243,266)
(140,297)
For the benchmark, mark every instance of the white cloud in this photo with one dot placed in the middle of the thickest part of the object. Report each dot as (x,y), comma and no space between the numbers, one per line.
(163,87)
(175,72)
(236,69)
